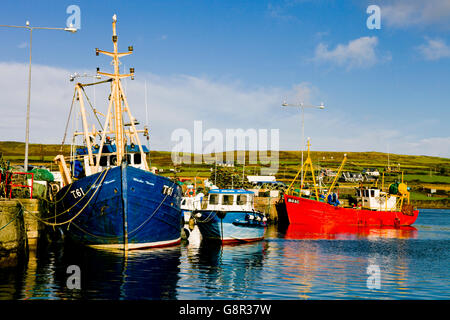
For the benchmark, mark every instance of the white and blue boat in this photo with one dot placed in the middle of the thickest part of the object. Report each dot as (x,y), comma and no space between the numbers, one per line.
(230,217)
(110,198)
(189,204)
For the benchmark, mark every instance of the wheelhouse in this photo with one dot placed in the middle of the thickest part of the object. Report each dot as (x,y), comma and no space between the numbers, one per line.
(375,199)
(230,200)
(108,158)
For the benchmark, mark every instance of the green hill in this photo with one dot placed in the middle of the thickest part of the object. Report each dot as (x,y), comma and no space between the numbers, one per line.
(429,177)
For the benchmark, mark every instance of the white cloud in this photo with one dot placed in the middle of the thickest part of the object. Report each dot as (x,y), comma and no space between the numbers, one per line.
(437,146)
(406,13)
(278,12)
(435,49)
(358,53)
(177,101)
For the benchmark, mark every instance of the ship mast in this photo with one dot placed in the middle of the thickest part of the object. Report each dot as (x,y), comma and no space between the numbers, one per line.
(114,122)
(119,104)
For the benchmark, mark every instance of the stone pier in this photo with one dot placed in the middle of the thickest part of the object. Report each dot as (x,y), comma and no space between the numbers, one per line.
(267,205)
(13,236)
(19,228)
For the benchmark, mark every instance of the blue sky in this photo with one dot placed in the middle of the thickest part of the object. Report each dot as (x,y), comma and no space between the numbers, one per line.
(232,63)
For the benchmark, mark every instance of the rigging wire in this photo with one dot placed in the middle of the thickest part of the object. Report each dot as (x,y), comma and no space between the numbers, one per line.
(92,107)
(67,123)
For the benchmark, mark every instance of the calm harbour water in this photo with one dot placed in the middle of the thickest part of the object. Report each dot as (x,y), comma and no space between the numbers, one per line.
(414,263)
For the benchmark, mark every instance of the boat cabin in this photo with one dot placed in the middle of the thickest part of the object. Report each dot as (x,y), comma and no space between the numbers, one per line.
(375,199)
(230,200)
(108,158)
(192,203)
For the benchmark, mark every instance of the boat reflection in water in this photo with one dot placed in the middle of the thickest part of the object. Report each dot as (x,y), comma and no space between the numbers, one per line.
(344,232)
(217,271)
(330,262)
(141,274)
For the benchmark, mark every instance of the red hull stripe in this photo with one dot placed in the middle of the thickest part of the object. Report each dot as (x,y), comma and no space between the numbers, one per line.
(229,241)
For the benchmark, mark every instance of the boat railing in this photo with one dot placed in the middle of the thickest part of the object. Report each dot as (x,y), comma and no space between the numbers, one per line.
(18,180)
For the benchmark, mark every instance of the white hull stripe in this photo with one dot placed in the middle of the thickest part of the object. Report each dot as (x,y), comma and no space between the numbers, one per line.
(132,246)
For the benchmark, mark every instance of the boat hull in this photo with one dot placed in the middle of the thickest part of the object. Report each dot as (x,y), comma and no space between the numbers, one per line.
(312,212)
(121,208)
(229,226)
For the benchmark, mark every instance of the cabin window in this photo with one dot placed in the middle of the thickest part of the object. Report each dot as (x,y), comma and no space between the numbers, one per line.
(128,157)
(241,199)
(372,193)
(137,158)
(183,202)
(213,199)
(227,199)
(103,161)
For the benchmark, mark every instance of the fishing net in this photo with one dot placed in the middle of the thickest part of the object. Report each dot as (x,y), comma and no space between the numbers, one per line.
(42,175)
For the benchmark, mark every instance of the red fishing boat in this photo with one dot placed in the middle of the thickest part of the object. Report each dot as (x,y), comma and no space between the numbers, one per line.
(374,207)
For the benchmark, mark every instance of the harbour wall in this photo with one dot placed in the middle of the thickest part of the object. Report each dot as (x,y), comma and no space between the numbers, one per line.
(19,229)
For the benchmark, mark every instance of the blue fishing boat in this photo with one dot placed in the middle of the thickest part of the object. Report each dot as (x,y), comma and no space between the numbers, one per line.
(230,217)
(110,198)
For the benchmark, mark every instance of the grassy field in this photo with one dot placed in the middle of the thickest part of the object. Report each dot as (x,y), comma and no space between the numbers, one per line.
(421,196)
(416,168)
(420,172)
(427,178)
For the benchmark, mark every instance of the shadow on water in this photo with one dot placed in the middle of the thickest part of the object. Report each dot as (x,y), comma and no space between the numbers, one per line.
(112,275)
(228,271)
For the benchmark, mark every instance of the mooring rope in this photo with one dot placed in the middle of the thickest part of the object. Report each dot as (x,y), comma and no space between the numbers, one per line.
(19,211)
(77,214)
(208,218)
(153,213)
(84,195)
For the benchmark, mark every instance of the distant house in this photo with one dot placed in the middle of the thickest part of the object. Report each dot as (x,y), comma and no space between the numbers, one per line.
(352,177)
(256,179)
(225,163)
(371,172)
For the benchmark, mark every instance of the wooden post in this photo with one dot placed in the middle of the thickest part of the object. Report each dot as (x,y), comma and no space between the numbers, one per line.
(135,134)
(105,130)
(85,127)
(65,173)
